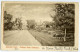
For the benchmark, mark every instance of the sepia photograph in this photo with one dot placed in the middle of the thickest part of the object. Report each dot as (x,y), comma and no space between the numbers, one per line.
(38,24)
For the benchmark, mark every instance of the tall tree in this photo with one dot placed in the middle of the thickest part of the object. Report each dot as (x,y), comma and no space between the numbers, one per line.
(7,21)
(18,23)
(64,18)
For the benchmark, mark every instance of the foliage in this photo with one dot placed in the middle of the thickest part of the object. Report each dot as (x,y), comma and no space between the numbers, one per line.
(31,24)
(18,23)
(7,21)
(64,17)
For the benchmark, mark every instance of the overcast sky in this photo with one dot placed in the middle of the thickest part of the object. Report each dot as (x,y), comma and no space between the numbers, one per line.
(37,12)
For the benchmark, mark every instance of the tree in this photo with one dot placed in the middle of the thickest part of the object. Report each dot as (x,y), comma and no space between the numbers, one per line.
(7,21)
(31,24)
(64,18)
(18,23)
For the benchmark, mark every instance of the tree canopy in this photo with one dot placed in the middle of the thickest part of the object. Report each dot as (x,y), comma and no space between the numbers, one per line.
(31,24)
(7,21)
(65,15)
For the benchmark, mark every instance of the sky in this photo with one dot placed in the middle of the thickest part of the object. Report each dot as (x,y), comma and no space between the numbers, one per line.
(37,12)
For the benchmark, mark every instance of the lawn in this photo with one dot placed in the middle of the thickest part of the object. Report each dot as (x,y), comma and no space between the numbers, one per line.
(48,40)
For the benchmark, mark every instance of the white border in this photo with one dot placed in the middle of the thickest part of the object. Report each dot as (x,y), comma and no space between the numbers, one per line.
(42,0)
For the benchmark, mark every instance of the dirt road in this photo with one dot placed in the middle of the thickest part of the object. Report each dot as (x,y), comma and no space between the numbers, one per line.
(20,37)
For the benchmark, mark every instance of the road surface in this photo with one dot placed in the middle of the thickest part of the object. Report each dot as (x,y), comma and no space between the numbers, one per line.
(19,37)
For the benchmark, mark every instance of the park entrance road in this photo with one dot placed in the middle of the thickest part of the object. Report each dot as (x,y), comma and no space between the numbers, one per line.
(19,37)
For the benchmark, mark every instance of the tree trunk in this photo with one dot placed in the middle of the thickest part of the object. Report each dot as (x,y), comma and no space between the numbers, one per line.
(65,35)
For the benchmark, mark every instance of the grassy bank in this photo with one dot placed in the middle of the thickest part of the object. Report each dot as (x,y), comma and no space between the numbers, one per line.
(48,40)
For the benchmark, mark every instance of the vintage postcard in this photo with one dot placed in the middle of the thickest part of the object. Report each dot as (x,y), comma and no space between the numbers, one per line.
(41,26)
